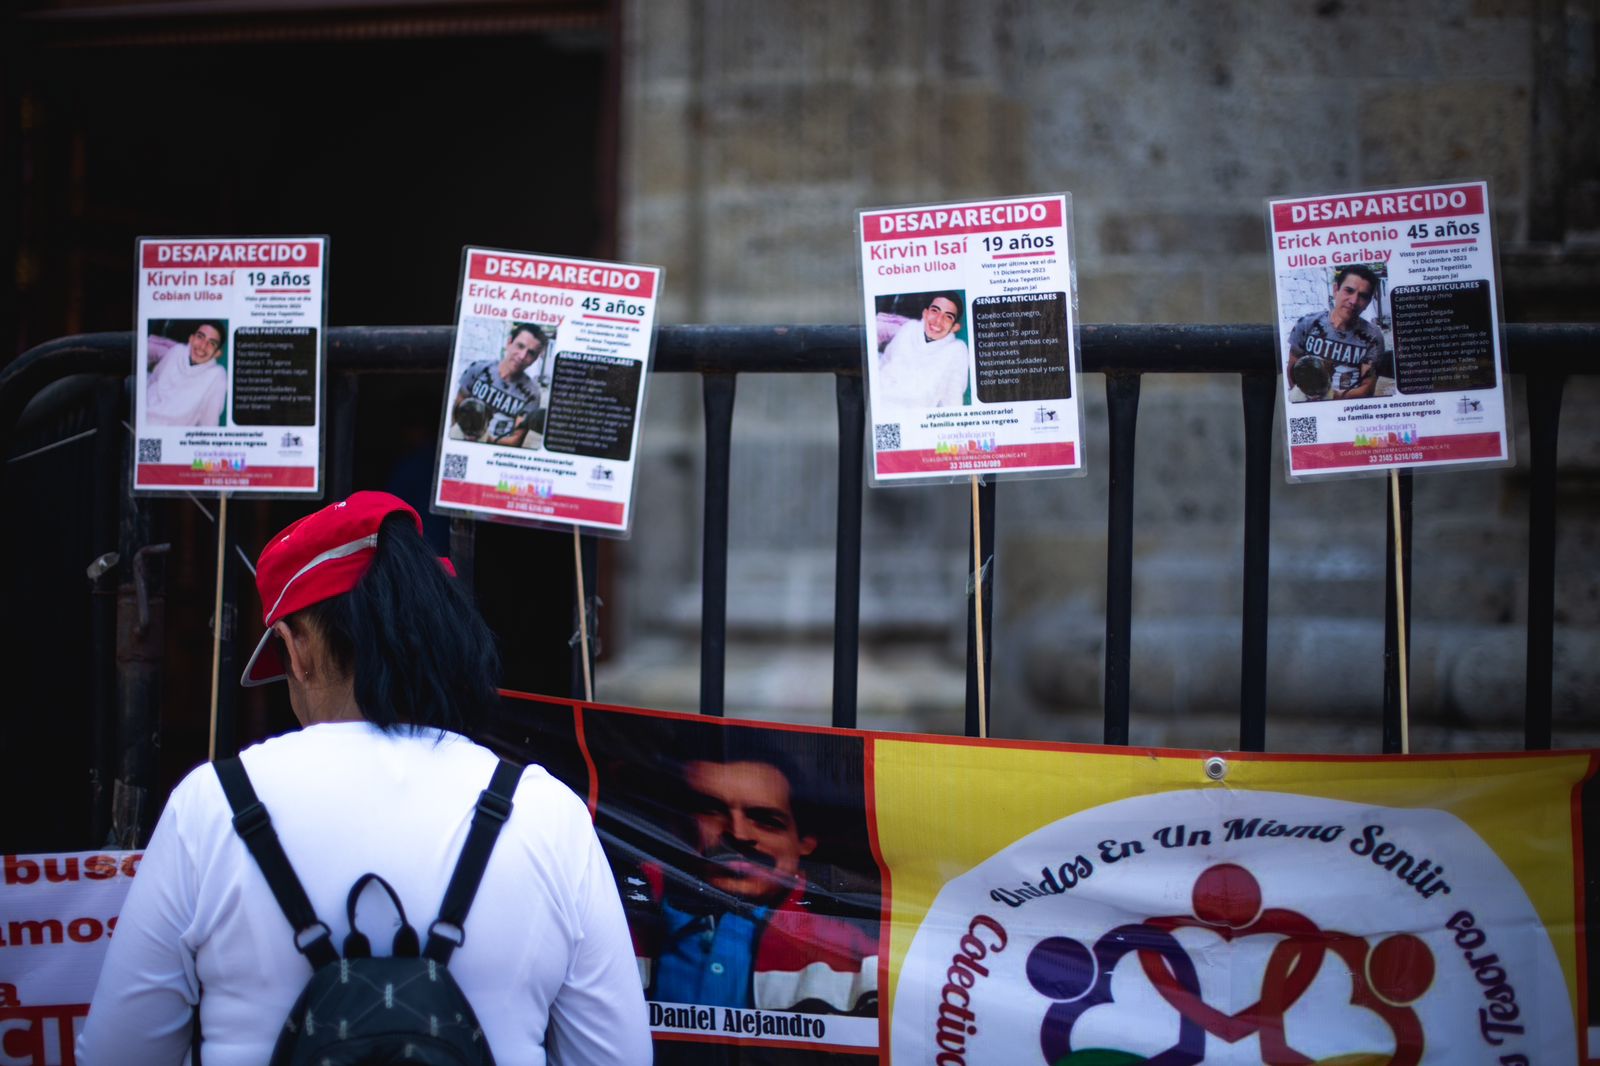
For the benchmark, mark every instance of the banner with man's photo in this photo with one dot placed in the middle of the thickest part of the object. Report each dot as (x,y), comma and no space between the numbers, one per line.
(800,895)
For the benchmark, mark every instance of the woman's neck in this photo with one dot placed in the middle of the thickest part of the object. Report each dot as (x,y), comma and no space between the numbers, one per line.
(333,702)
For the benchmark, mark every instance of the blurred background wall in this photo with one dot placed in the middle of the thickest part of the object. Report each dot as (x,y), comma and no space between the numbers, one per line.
(751,134)
(732,142)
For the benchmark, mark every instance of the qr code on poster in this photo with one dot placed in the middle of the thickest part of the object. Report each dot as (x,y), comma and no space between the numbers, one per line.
(455,467)
(1303,430)
(886,436)
(149,449)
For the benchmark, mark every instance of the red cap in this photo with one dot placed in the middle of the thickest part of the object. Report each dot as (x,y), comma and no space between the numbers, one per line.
(321,556)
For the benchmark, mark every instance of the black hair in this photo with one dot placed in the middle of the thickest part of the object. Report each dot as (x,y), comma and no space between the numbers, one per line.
(735,744)
(417,651)
(953,297)
(222,334)
(529,328)
(1361,271)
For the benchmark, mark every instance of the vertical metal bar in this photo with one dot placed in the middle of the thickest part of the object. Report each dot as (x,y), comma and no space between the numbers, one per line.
(341,458)
(141,619)
(1122,408)
(1391,634)
(847,550)
(718,390)
(20,191)
(463,553)
(104,575)
(591,572)
(1544,421)
(986,502)
(1260,393)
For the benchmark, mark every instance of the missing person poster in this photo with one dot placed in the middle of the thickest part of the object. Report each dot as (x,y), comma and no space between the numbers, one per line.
(818,895)
(971,340)
(1390,330)
(546,390)
(228,358)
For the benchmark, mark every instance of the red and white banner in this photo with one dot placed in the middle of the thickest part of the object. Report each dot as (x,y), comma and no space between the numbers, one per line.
(278,254)
(57,913)
(617,280)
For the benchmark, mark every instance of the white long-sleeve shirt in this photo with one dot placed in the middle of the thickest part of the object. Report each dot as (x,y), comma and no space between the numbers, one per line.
(179,393)
(547,962)
(916,373)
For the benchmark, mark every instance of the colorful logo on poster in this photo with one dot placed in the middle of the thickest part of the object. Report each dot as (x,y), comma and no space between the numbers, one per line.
(218,463)
(1393,437)
(540,488)
(965,445)
(1309,931)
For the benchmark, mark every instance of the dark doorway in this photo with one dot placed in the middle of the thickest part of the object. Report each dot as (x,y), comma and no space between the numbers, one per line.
(401,150)
(403,132)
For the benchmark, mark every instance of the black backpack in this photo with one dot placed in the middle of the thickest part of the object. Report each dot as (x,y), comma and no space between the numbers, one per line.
(364,1010)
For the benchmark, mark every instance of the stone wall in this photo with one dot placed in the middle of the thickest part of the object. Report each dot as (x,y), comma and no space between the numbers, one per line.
(753,132)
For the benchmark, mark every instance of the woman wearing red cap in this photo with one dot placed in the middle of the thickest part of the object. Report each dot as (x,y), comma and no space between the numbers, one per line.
(390,670)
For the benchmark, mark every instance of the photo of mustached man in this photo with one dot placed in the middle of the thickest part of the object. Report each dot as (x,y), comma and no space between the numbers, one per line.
(743,863)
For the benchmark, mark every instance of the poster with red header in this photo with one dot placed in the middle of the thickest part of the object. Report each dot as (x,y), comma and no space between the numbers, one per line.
(970,353)
(228,361)
(546,390)
(1390,331)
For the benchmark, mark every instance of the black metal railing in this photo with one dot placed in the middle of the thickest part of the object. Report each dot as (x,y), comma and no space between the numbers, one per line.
(1546,354)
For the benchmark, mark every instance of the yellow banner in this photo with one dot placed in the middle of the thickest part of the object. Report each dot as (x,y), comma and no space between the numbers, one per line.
(1409,910)
(852,896)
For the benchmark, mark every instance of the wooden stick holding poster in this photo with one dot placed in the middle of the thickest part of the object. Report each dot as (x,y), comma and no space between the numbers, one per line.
(216,624)
(228,365)
(977,608)
(971,350)
(1400,612)
(583,615)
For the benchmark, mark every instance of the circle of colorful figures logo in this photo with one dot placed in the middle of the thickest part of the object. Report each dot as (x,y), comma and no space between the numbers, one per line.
(1234,927)
(1388,976)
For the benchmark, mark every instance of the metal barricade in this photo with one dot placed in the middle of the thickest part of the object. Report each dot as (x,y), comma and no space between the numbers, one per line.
(1545,354)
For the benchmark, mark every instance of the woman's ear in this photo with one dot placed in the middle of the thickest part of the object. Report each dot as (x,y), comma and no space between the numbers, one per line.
(296,650)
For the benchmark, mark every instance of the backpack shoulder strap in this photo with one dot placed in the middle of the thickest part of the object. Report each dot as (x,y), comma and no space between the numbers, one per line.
(494,807)
(254,826)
